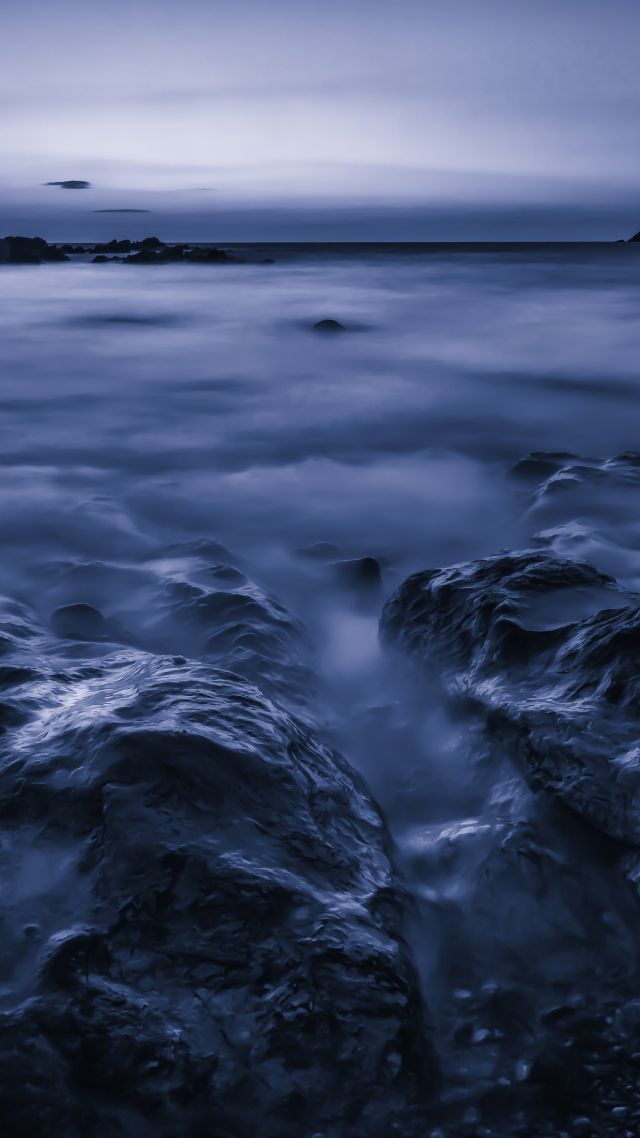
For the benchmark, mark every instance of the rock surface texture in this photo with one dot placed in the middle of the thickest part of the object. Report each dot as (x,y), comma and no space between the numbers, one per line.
(564,693)
(204,933)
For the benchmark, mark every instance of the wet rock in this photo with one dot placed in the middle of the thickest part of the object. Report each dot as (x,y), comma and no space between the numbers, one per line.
(220,937)
(100,259)
(216,613)
(79,622)
(540,465)
(329,326)
(561,694)
(359,573)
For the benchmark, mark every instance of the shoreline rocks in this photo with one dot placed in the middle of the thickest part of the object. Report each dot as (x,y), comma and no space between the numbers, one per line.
(148,251)
(213,936)
(28,251)
(560,693)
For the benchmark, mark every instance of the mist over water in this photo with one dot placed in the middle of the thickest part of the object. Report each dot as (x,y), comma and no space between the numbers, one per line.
(149,412)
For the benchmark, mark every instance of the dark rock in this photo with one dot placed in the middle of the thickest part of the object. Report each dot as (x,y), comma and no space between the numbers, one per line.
(359,573)
(636,237)
(562,692)
(319,551)
(216,614)
(124,246)
(144,257)
(79,622)
(328,326)
(28,251)
(100,259)
(220,947)
(540,465)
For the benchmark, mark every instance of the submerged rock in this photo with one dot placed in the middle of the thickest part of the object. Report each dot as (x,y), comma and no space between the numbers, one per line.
(79,622)
(214,935)
(328,326)
(319,551)
(359,573)
(560,688)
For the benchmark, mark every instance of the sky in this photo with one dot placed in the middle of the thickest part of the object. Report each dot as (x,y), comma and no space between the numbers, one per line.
(333,120)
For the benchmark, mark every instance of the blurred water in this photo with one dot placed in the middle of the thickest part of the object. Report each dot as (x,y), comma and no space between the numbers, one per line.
(146,406)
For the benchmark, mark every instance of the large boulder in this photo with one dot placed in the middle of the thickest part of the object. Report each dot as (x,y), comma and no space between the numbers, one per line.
(201,931)
(548,651)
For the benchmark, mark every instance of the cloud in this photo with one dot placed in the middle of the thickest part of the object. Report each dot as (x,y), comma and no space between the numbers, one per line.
(71,184)
(121,211)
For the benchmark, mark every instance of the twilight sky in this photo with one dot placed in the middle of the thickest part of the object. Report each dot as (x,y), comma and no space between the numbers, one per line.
(286,119)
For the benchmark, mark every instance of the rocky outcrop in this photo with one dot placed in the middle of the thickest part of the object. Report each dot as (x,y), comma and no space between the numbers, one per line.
(561,691)
(149,251)
(204,934)
(152,251)
(28,251)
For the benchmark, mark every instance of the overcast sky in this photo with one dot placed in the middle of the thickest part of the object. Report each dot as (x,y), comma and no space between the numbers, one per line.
(376,119)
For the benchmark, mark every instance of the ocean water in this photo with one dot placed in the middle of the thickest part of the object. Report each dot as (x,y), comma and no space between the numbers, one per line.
(148,412)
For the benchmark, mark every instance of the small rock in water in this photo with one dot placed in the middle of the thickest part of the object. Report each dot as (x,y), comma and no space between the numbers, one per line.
(328,326)
(79,622)
(320,551)
(359,572)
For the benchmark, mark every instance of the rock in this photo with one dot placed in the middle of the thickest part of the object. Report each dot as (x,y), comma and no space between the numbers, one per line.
(359,573)
(562,694)
(319,551)
(79,622)
(215,613)
(220,932)
(636,237)
(28,251)
(148,251)
(144,257)
(124,246)
(328,326)
(541,465)
(152,251)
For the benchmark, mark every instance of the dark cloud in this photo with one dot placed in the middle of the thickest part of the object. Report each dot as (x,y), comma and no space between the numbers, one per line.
(71,184)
